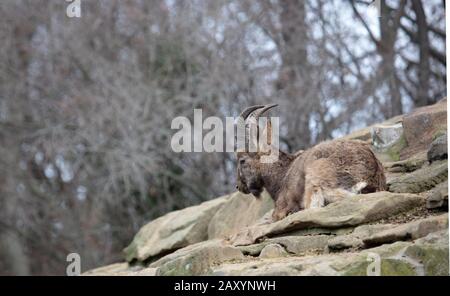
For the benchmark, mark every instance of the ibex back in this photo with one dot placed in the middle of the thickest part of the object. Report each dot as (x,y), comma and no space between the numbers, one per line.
(316,177)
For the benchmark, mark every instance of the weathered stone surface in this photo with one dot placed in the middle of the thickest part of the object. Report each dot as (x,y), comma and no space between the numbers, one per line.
(300,244)
(438,149)
(438,197)
(323,265)
(421,180)
(121,269)
(365,134)
(196,259)
(425,256)
(350,211)
(296,245)
(407,165)
(412,230)
(422,125)
(391,262)
(317,231)
(432,254)
(241,210)
(384,136)
(285,266)
(273,251)
(355,239)
(173,231)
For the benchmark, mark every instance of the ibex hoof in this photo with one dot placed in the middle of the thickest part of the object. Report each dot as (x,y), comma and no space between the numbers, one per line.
(277,216)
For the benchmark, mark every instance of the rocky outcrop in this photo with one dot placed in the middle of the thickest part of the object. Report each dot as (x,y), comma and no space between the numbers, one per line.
(412,230)
(422,126)
(427,256)
(239,211)
(273,251)
(355,239)
(438,197)
(292,244)
(385,136)
(400,232)
(218,218)
(422,179)
(366,134)
(407,165)
(197,259)
(351,211)
(438,148)
(173,231)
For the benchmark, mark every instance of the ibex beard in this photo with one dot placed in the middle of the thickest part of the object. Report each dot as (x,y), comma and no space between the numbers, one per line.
(313,178)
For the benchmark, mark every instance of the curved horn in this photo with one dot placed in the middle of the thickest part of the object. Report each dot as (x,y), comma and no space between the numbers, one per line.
(246,113)
(243,118)
(264,110)
(261,112)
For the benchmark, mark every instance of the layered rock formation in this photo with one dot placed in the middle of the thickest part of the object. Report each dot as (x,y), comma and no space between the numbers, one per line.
(404,230)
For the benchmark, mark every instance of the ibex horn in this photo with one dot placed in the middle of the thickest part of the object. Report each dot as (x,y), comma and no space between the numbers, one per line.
(243,117)
(264,110)
(246,113)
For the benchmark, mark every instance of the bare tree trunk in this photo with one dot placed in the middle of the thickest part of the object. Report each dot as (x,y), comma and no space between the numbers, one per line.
(422,97)
(389,25)
(293,77)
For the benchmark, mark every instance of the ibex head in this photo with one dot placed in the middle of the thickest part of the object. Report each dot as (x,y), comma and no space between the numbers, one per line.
(251,171)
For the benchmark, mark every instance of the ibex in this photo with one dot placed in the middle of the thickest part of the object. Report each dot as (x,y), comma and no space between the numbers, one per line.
(313,178)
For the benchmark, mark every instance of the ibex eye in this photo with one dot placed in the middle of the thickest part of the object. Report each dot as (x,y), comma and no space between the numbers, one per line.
(241,161)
